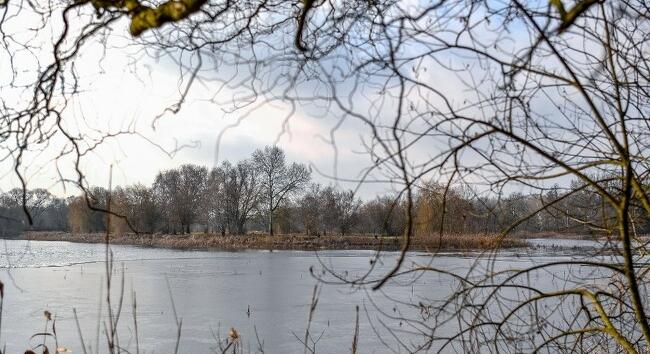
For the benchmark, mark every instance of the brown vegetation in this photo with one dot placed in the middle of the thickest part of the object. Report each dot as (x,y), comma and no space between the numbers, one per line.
(286,242)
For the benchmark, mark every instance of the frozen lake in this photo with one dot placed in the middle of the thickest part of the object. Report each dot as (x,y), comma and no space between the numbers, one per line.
(251,291)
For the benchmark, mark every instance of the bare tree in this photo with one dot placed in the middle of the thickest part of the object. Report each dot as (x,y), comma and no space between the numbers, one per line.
(136,203)
(310,209)
(345,209)
(234,194)
(383,215)
(166,189)
(180,193)
(78,216)
(279,180)
(215,201)
(38,201)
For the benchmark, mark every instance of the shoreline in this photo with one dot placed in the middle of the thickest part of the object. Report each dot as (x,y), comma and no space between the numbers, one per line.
(285,242)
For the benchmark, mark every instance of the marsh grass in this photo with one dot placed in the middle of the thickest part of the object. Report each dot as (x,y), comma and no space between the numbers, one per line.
(289,242)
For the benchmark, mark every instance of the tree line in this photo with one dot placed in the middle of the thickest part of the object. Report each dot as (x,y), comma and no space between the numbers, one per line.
(266,193)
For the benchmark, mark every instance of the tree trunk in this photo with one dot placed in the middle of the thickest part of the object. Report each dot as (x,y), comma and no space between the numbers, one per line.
(270,205)
(271,223)
(271,216)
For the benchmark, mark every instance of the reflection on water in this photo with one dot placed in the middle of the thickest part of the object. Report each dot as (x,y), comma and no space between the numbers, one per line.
(255,290)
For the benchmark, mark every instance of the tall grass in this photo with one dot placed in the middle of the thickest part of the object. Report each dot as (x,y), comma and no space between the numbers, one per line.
(289,242)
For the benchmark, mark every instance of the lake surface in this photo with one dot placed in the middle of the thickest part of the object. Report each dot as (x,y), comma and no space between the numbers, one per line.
(268,293)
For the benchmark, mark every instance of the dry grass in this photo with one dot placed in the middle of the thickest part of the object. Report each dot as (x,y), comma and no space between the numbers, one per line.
(287,242)
(467,242)
(570,236)
(555,235)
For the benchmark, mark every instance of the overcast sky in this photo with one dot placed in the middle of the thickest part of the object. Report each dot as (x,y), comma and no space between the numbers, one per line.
(123,90)
(120,95)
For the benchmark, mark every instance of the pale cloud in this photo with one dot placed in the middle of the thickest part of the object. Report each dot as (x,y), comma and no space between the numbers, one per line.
(124,91)
(119,96)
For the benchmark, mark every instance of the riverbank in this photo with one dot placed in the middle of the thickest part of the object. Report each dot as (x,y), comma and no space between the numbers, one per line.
(556,236)
(286,242)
